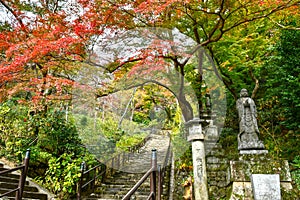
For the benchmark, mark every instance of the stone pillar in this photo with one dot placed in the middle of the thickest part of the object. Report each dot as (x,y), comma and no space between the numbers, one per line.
(196,137)
(199,170)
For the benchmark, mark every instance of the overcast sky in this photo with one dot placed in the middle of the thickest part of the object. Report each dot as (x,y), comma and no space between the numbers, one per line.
(71,7)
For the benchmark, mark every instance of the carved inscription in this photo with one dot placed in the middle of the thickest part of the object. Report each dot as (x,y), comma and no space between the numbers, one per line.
(199,165)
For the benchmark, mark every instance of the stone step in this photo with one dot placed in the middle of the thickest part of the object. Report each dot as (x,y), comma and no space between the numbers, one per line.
(122,181)
(10,181)
(13,198)
(13,186)
(11,175)
(124,190)
(136,196)
(122,186)
(124,178)
(117,187)
(6,179)
(26,194)
(15,176)
(91,198)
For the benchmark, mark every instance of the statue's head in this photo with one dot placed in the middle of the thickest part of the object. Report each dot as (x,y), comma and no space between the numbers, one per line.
(244,93)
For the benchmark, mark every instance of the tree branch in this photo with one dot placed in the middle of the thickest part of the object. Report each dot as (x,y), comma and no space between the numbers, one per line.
(136,86)
(13,13)
(281,7)
(254,92)
(126,109)
(284,27)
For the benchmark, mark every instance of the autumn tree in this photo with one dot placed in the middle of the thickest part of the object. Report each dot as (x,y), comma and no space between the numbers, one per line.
(41,49)
(40,52)
(208,23)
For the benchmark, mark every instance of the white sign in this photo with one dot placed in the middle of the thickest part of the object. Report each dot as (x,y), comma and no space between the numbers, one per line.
(266,186)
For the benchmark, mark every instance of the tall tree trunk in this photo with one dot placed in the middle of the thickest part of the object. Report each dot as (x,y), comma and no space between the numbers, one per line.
(186,108)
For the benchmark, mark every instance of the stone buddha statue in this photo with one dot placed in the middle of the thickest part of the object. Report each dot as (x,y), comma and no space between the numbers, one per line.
(248,129)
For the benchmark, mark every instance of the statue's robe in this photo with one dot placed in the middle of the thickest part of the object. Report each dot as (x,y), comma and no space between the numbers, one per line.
(248,131)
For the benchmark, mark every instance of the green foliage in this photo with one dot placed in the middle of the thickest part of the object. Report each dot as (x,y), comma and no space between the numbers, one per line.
(5,26)
(228,140)
(39,161)
(83,121)
(98,135)
(241,54)
(14,130)
(105,138)
(56,134)
(279,105)
(290,194)
(296,172)
(56,150)
(154,103)
(109,128)
(141,117)
(64,173)
(179,142)
(130,140)
(282,74)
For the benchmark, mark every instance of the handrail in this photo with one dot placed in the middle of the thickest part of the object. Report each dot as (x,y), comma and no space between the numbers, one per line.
(115,163)
(102,172)
(162,170)
(138,184)
(24,170)
(152,173)
(92,181)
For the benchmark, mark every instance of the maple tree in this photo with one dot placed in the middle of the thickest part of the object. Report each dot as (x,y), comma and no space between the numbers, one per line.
(40,54)
(40,51)
(208,23)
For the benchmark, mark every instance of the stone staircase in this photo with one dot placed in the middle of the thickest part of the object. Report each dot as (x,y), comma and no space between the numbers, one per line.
(117,185)
(10,181)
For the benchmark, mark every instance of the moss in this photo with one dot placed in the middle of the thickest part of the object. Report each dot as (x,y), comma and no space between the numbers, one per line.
(254,164)
(290,194)
(219,193)
(228,191)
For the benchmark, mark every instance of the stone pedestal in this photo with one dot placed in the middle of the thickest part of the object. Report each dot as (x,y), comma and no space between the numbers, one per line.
(253,151)
(241,171)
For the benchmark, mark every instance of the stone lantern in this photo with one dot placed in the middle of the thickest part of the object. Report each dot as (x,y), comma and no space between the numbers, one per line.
(196,137)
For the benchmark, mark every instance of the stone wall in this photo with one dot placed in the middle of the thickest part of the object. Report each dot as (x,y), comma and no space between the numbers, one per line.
(218,173)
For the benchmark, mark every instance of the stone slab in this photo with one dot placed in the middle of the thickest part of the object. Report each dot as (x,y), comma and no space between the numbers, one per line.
(253,151)
(266,186)
(241,191)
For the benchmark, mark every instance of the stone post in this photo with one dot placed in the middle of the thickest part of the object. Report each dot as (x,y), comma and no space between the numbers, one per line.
(196,137)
